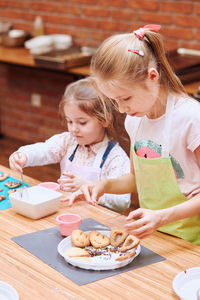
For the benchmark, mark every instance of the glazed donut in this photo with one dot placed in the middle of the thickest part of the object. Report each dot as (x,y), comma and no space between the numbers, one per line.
(98,240)
(117,237)
(80,238)
(130,242)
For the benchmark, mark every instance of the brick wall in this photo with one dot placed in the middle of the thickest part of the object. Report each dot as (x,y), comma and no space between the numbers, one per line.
(91,21)
(19,118)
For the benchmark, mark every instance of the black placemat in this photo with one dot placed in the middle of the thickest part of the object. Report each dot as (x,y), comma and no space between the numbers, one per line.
(43,244)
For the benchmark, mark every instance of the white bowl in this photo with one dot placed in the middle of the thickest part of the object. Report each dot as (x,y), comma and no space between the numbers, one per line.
(35,202)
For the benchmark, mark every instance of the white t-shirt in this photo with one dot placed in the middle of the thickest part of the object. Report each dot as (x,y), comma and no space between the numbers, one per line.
(183,140)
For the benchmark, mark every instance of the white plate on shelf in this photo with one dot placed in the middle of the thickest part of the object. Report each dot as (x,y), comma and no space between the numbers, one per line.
(187,283)
(97,262)
(7,292)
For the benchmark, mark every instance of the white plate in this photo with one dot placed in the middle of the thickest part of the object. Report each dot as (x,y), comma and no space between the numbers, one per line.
(7,292)
(187,283)
(97,262)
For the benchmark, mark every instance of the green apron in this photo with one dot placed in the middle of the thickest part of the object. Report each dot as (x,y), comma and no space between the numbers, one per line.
(158,188)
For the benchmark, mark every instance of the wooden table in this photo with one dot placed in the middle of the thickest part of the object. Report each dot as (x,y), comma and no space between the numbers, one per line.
(34,280)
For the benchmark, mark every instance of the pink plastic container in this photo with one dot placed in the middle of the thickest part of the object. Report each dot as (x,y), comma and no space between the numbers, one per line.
(50,185)
(68,222)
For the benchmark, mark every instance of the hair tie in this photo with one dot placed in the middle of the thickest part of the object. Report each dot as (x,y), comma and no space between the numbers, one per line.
(140,32)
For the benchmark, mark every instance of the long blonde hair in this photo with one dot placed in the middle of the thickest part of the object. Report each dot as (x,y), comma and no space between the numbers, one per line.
(113,61)
(84,95)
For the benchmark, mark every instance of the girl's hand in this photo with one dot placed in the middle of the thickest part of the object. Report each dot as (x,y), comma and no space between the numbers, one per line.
(92,192)
(145,222)
(71,197)
(17,161)
(71,183)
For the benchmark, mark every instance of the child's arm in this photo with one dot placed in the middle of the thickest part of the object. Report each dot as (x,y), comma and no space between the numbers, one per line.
(147,221)
(43,153)
(17,161)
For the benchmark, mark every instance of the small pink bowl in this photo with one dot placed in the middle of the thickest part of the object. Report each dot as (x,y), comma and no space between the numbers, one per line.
(50,185)
(68,222)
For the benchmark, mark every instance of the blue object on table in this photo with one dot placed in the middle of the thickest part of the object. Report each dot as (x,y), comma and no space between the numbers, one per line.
(4,204)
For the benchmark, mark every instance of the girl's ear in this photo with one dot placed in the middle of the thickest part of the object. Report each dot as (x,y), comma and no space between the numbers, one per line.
(153,74)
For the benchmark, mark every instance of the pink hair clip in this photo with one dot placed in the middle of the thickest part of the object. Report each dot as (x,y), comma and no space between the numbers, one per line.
(138,52)
(140,32)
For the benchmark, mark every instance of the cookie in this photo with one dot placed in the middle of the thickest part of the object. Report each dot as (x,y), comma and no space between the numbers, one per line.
(80,238)
(12,191)
(98,240)
(12,184)
(130,242)
(2,197)
(82,258)
(123,257)
(3,176)
(76,252)
(117,237)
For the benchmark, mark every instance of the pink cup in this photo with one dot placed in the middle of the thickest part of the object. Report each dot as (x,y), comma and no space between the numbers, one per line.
(50,185)
(68,222)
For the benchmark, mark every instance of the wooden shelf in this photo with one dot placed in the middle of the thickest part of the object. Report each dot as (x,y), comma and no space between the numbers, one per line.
(21,56)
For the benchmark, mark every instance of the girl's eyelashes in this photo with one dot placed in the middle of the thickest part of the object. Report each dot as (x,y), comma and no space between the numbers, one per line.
(126,99)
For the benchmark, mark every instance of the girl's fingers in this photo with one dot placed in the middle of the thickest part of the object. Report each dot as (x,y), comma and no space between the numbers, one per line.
(135,214)
(67,174)
(61,181)
(86,192)
(71,200)
(134,225)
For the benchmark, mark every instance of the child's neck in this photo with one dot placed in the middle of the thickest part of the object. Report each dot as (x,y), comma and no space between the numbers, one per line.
(159,107)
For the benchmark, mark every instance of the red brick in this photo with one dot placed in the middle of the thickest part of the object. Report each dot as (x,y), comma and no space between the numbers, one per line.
(15,4)
(56,19)
(143,4)
(190,45)
(188,21)
(198,35)
(176,6)
(170,44)
(113,26)
(124,14)
(111,3)
(95,12)
(93,2)
(80,22)
(156,18)
(197,8)
(179,33)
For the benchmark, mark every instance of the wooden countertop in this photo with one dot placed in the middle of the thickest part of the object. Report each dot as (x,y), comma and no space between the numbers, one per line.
(33,279)
(21,56)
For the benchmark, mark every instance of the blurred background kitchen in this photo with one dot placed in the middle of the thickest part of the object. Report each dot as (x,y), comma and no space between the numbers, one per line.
(44,45)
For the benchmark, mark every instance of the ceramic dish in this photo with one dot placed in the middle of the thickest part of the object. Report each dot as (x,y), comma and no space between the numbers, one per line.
(35,202)
(187,283)
(7,292)
(97,262)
